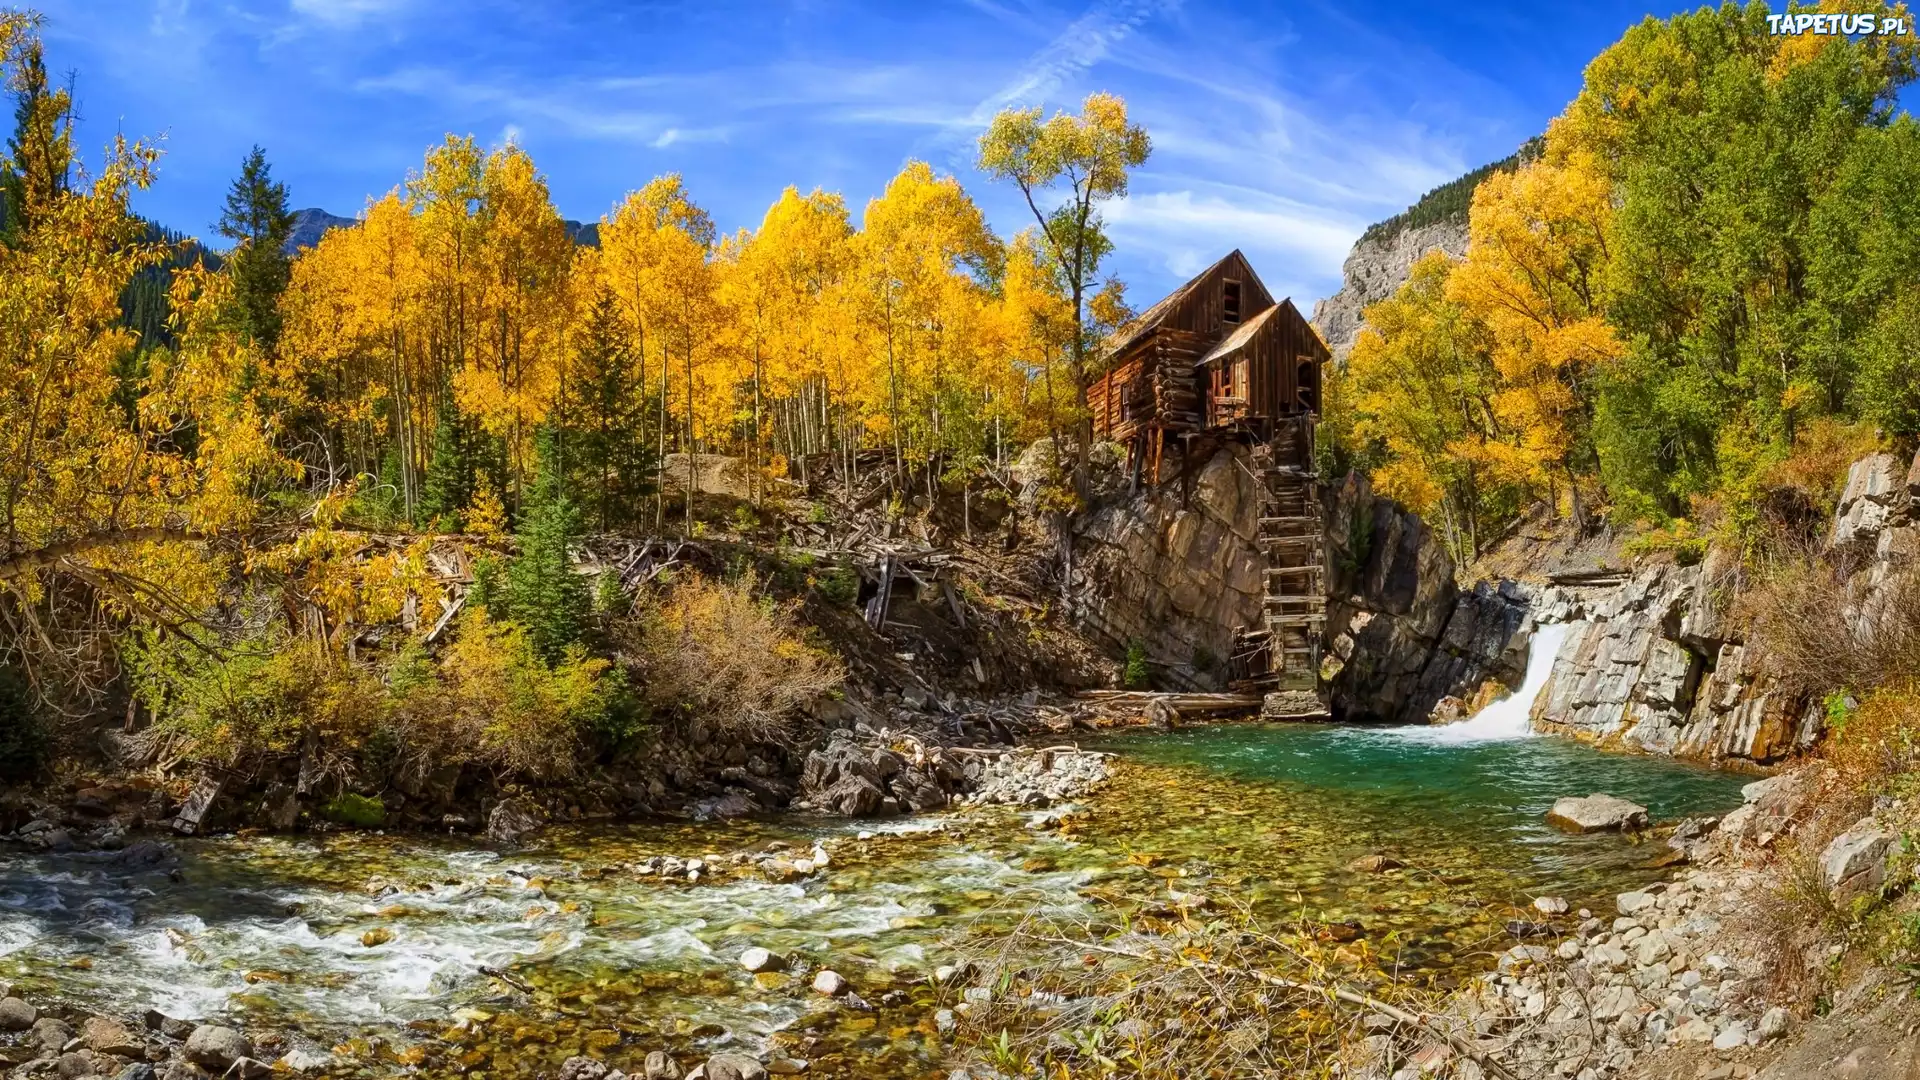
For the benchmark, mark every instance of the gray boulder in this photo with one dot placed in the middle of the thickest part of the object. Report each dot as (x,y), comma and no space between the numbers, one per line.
(50,1034)
(1597,813)
(214,1047)
(1856,860)
(735,1067)
(17,1015)
(661,1066)
(512,819)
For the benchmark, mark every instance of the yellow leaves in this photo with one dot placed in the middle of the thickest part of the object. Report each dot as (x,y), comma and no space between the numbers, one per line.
(487,516)
(1094,149)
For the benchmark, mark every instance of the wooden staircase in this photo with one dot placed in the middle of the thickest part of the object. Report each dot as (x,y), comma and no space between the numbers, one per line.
(1283,653)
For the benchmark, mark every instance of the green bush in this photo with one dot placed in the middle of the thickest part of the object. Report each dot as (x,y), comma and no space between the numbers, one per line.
(837,585)
(1136,676)
(359,811)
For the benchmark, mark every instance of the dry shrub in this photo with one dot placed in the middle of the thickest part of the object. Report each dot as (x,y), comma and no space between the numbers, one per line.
(1816,470)
(714,651)
(1810,620)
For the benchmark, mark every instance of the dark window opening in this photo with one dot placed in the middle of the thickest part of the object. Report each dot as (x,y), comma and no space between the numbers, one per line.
(1230,307)
(1304,386)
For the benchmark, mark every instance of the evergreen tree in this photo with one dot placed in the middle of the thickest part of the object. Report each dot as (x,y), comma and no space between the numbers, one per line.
(39,160)
(257,221)
(601,447)
(543,592)
(464,455)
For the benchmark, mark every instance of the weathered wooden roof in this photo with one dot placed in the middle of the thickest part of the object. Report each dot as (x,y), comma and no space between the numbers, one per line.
(1151,319)
(1250,329)
(1234,341)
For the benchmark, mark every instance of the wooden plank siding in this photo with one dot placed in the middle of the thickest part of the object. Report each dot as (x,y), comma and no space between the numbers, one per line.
(1282,358)
(1155,380)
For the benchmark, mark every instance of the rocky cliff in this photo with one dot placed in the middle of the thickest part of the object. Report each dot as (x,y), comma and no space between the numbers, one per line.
(1654,660)
(1173,568)
(1374,269)
(1404,641)
(1656,664)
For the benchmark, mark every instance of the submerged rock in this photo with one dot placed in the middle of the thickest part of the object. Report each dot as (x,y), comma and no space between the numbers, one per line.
(1597,813)
(582,1068)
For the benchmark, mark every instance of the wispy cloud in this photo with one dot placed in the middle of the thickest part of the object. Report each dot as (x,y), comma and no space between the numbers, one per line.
(346,13)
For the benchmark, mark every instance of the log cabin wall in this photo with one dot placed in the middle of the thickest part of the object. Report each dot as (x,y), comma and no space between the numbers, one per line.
(1157,383)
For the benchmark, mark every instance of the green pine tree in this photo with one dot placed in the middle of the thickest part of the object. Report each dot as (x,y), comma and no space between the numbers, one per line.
(258,223)
(601,446)
(464,454)
(543,592)
(39,159)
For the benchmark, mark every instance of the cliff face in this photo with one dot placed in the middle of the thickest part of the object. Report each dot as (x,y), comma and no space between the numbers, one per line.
(1373,270)
(1657,665)
(1173,568)
(1653,661)
(1404,641)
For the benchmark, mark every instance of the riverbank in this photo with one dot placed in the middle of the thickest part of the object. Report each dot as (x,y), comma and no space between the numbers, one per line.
(630,939)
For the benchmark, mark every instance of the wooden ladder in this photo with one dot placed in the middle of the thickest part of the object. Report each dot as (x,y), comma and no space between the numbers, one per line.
(1292,536)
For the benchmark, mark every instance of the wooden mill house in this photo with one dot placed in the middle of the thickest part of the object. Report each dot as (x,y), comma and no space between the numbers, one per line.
(1220,360)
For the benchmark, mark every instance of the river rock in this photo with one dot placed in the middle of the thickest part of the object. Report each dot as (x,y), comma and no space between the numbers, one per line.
(50,1034)
(216,1047)
(582,1068)
(246,1068)
(830,982)
(17,1015)
(73,1066)
(139,1070)
(302,1060)
(661,1066)
(105,1036)
(786,1066)
(1375,863)
(512,819)
(735,1067)
(1631,903)
(1550,905)
(167,1025)
(1596,813)
(758,960)
(144,855)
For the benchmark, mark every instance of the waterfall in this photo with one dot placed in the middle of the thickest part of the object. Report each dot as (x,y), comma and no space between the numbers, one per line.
(1508,717)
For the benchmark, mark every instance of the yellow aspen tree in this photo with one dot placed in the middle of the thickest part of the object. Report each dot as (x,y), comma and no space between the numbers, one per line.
(1533,274)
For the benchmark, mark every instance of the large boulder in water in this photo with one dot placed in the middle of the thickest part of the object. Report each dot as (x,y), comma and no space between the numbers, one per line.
(1597,813)
(512,819)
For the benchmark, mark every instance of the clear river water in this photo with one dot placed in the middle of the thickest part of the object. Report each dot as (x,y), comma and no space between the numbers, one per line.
(372,946)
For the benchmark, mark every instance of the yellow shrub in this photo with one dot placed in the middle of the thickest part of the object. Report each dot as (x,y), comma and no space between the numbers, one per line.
(494,702)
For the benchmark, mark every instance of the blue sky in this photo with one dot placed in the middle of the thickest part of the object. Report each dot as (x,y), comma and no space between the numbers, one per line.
(1282,129)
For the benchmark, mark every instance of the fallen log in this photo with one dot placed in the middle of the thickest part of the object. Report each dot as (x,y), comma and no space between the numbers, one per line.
(1188,702)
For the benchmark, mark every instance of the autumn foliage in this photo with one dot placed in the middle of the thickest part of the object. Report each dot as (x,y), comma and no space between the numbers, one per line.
(1707,263)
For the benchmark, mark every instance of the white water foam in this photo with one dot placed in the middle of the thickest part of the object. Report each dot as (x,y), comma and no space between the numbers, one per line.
(1508,718)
